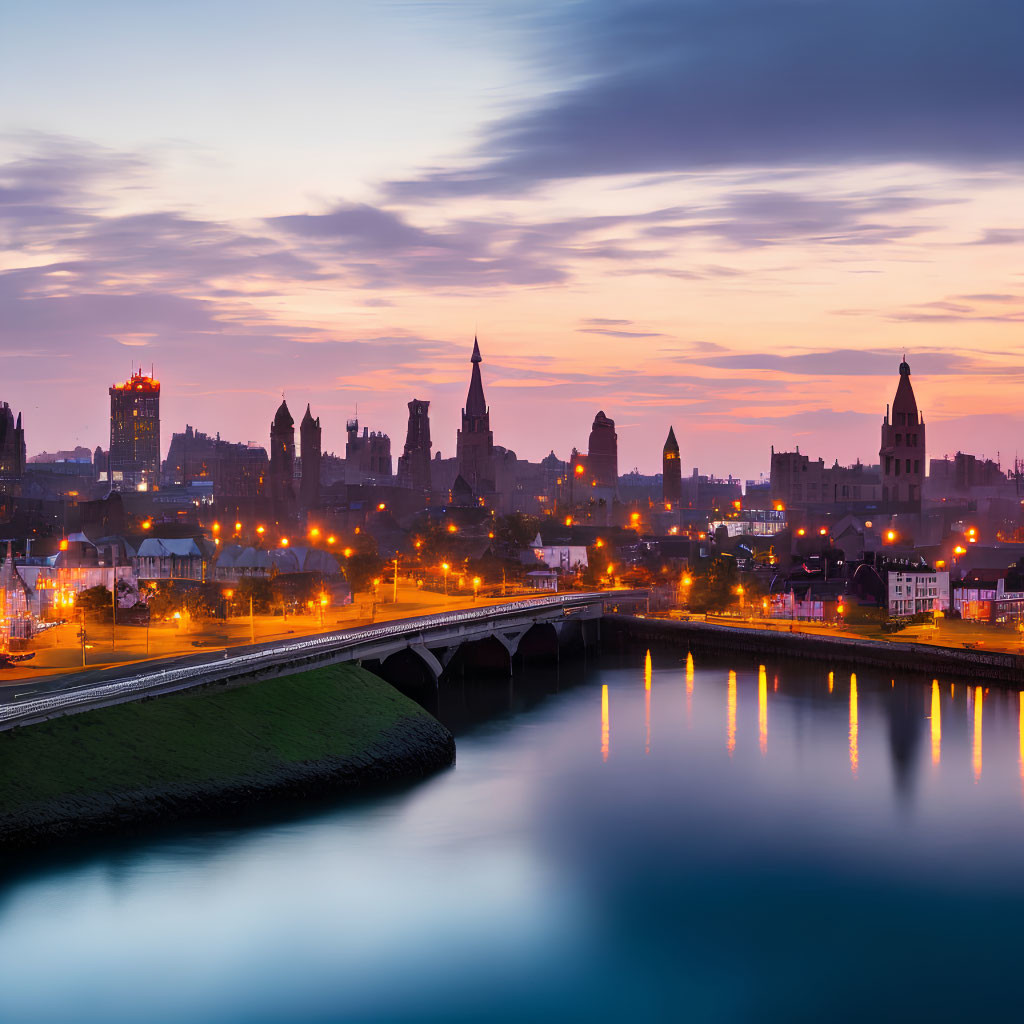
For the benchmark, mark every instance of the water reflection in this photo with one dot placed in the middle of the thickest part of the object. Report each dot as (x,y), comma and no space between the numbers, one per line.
(936,724)
(762,707)
(979,703)
(648,672)
(689,685)
(730,741)
(1020,734)
(831,681)
(854,748)
(605,732)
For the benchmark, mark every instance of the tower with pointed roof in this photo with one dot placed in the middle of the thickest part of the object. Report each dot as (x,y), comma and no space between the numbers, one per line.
(282,464)
(475,442)
(310,438)
(902,454)
(12,451)
(671,471)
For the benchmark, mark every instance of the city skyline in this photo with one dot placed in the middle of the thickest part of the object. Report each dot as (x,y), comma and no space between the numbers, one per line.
(752,279)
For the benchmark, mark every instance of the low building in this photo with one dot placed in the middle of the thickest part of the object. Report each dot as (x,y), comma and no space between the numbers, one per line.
(563,557)
(988,602)
(913,592)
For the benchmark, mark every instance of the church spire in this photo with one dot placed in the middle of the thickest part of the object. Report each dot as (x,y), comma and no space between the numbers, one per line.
(475,403)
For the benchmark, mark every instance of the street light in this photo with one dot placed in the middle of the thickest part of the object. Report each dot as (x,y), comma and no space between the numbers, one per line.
(476,588)
(444,568)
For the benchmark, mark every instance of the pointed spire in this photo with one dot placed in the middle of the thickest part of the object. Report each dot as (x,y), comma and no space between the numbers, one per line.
(283,418)
(475,403)
(308,420)
(671,445)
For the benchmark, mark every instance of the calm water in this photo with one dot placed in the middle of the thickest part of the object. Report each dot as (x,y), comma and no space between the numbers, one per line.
(719,843)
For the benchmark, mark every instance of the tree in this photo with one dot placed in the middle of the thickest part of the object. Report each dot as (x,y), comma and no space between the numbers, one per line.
(96,603)
(714,584)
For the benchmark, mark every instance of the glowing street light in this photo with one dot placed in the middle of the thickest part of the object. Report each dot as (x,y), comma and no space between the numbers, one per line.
(332,539)
(261,530)
(284,542)
(315,532)
(238,527)
(890,535)
(476,588)
(452,528)
(444,568)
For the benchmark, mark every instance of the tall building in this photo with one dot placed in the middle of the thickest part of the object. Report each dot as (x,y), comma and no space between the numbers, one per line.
(310,438)
(474,444)
(414,465)
(282,464)
(12,450)
(603,453)
(902,455)
(671,471)
(134,460)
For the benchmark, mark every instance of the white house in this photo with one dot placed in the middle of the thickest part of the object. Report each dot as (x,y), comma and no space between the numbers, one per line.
(564,557)
(914,591)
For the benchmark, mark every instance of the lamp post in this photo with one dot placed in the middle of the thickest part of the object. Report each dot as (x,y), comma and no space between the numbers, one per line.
(444,568)
(476,588)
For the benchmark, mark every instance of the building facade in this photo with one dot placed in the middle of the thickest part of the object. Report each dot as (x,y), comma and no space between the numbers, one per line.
(671,471)
(913,593)
(282,464)
(474,443)
(133,462)
(12,450)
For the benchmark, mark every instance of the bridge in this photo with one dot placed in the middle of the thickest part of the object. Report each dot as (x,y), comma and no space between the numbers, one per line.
(412,651)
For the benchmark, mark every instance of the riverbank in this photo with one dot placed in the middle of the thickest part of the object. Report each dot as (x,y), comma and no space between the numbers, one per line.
(982,666)
(213,753)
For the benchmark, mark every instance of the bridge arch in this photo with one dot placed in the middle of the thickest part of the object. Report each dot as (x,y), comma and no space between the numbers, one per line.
(490,656)
(413,672)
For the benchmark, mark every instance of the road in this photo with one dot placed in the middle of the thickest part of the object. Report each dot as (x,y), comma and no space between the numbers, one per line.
(52,696)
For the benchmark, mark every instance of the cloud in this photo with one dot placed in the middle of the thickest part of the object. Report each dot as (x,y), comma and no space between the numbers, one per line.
(662,86)
(839,362)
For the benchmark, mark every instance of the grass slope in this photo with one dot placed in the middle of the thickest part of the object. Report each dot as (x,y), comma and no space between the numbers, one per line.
(339,719)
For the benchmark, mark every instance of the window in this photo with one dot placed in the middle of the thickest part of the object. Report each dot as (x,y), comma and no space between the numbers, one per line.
(908,465)
(897,467)
(899,439)
(917,465)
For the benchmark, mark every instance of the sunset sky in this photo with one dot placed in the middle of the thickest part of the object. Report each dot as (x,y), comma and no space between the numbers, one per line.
(732,216)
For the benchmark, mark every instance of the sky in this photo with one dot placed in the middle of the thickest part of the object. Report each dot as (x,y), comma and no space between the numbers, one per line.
(728,216)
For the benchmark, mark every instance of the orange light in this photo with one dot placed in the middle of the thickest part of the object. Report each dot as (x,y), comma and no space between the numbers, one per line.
(347,552)
(332,539)
(476,582)
(687,580)
(635,516)
(579,471)
(229,594)
(840,609)
(216,527)
(568,520)
(890,535)
(418,545)
(737,505)
(381,507)
(779,507)
(599,543)
(491,535)
(146,524)
(261,530)
(824,531)
(315,532)
(958,550)
(868,524)
(445,566)
(63,545)
(376,581)
(238,527)
(610,569)
(800,532)
(452,528)
(323,601)
(284,542)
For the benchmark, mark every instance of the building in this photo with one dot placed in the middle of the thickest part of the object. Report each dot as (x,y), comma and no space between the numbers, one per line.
(671,471)
(799,483)
(312,455)
(282,464)
(367,455)
(234,470)
(474,444)
(603,454)
(913,592)
(565,557)
(134,459)
(901,455)
(12,450)
(414,465)
(174,558)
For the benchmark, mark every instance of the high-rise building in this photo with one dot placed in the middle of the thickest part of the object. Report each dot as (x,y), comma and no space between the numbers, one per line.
(671,471)
(282,464)
(603,454)
(474,442)
(12,450)
(234,470)
(134,460)
(310,438)
(902,455)
(414,465)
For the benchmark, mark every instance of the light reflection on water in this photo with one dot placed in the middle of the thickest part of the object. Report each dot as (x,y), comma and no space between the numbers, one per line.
(706,874)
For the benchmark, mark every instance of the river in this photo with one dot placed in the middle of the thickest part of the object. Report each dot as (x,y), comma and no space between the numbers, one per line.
(713,841)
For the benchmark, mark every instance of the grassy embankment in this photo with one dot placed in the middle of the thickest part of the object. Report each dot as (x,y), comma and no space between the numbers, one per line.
(211,751)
